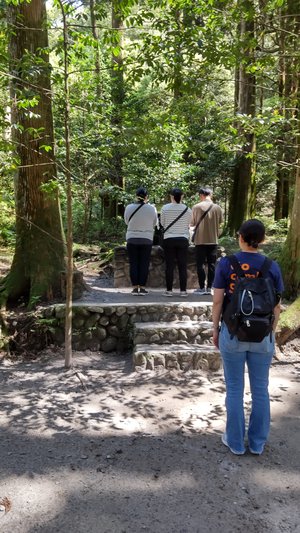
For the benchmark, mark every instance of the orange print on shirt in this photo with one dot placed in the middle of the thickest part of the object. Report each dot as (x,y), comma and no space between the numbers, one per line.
(233,276)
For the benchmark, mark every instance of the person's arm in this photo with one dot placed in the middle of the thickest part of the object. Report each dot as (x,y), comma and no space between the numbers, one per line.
(126,215)
(155,220)
(162,217)
(216,314)
(221,220)
(276,316)
(193,219)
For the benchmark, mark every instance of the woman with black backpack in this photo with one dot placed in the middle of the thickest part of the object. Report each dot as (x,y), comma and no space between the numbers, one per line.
(246,335)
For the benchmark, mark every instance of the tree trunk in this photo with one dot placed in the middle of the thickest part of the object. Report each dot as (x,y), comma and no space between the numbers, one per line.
(177,83)
(290,257)
(289,98)
(39,257)
(243,189)
(118,96)
(97,55)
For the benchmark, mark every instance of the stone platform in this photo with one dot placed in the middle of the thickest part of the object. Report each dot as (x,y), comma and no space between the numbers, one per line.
(159,331)
(141,324)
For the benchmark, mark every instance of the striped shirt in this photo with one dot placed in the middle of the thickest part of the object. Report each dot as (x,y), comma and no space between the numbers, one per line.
(169,213)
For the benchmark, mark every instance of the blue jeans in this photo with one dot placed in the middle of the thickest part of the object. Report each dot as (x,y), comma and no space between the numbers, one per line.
(258,356)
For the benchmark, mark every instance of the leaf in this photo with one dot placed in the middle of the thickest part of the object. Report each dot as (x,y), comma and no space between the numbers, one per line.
(46,147)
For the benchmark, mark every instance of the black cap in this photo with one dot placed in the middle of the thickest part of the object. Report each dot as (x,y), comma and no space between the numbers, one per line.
(176,191)
(141,193)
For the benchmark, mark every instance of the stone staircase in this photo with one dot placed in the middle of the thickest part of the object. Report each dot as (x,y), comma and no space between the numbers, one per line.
(179,345)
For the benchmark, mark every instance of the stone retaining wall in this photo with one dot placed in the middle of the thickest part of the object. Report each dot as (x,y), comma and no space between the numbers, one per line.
(156,276)
(109,327)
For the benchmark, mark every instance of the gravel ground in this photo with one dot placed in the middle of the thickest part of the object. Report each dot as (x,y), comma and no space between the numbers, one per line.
(101,449)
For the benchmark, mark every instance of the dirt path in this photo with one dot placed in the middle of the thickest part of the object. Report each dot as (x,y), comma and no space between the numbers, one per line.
(102,450)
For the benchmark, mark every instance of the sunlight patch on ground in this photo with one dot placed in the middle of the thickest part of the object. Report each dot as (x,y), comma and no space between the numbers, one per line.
(272,479)
(199,416)
(130,425)
(32,500)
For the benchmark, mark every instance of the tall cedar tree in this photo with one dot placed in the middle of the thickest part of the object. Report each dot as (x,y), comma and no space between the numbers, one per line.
(39,257)
(241,200)
(288,94)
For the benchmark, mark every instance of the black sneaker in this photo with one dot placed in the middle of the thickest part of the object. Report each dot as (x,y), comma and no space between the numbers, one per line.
(135,291)
(143,291)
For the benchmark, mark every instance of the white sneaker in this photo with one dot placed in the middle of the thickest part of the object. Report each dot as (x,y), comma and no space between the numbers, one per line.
(183,294)
(224,441)
(168,293)
(200,291)
(209,291)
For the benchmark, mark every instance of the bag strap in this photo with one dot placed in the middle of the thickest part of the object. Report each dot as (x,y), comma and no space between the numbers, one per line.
(266,267)
(134,212)
(202,217)
(236,266)
(174,221)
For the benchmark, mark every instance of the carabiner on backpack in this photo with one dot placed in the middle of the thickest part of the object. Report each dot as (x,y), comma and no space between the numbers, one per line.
(249,293)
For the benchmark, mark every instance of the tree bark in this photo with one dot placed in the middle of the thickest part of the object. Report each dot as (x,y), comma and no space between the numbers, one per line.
(243,189)
(290,257)
(117,96)
(289,98)
(97,54)
(39,257)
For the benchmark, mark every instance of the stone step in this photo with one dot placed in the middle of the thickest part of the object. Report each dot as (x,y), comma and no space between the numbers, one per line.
(178,357)
(188,331)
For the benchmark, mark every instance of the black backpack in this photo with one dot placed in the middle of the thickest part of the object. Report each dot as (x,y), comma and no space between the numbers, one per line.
(250,312)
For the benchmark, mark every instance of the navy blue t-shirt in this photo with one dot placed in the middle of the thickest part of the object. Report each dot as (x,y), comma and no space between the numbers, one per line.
(251,263)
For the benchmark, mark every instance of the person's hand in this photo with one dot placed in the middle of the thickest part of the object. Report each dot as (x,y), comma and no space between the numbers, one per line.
(216,337)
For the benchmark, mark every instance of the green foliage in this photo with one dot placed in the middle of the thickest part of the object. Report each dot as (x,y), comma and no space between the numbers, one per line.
(176,124)
(7,214)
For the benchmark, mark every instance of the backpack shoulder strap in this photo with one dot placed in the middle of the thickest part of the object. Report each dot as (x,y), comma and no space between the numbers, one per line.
(236,266)
(265,267)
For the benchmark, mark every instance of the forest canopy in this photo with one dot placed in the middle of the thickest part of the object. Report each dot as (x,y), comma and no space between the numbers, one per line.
(107,96)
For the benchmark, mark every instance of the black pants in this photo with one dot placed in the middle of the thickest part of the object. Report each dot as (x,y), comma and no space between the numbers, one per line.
(206,253)
(139,260)
(176,250)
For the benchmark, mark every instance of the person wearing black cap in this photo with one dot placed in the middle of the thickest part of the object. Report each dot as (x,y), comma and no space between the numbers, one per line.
(175,218)
(206,219)
(236,354)
(141,218)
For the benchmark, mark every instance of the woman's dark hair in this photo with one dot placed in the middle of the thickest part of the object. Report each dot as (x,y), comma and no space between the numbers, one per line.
(253,232)
(141,193)
(177,194)
(206,191)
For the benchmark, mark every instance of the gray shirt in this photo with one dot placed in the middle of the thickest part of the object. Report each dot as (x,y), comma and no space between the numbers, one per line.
(142,224)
